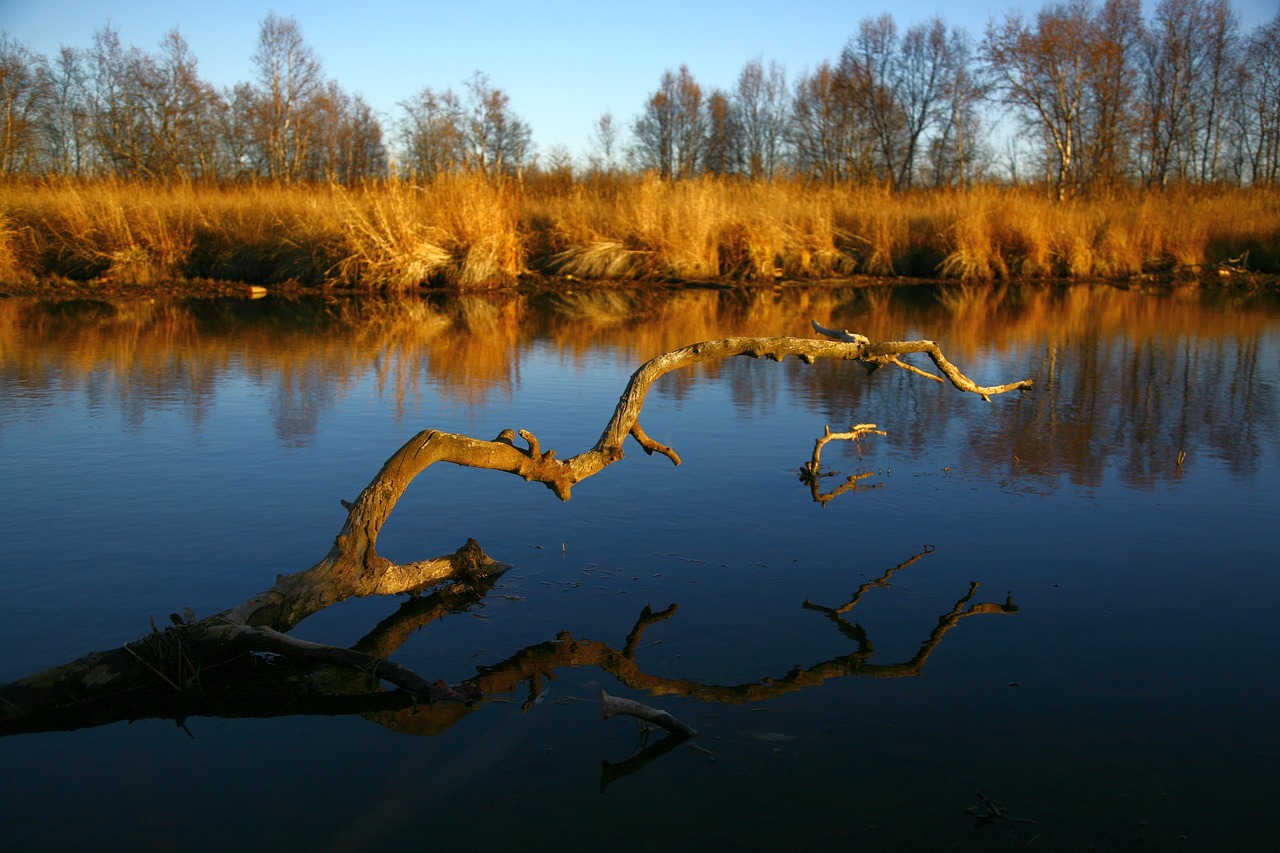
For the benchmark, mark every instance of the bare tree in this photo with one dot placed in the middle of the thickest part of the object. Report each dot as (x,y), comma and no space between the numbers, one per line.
(115,106)
(183,112)
(829,137)
(1111,122)
(498,140)
(671,132)
(871,61)
(604,143)
(1209,109)
(1045,73)
(64,122)
(442,132)
(1188,58)
(1260,134)
(761,102)
(689,131)
(654,130)
(952,153)
(24,96)
(241,157)
(723,148)
(925,67)
(432,133)
(289,79)
(347,144)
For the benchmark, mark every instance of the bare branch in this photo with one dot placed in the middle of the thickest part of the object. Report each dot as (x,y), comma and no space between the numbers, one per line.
(613,706)
(887,352)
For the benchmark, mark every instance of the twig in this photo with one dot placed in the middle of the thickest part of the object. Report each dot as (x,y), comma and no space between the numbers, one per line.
(612,706)
(995,812)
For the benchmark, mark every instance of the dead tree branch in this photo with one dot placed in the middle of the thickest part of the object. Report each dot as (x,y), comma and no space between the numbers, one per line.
(354,568)
(614,705)
(875,356)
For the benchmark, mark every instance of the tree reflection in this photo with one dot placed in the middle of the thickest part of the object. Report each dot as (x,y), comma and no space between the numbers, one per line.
(1128,379)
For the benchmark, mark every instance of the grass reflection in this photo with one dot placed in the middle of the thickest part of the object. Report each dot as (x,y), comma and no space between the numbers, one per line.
(1151,377)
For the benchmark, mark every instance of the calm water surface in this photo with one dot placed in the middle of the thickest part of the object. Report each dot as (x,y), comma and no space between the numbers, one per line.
(1113,682)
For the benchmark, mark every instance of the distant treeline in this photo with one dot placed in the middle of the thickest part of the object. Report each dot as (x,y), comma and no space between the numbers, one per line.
(1103,99)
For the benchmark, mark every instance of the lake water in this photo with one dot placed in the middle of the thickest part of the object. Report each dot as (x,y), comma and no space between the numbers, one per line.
(1121,690)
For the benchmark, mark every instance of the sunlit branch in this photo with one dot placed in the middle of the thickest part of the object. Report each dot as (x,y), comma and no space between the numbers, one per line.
(875,355)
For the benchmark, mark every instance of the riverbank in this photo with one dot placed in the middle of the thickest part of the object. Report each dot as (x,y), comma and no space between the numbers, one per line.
(466,232)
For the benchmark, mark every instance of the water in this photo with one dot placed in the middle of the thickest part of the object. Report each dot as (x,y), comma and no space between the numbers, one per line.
(162,455)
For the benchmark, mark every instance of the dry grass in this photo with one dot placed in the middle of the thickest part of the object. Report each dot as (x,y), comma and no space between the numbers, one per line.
(468,232)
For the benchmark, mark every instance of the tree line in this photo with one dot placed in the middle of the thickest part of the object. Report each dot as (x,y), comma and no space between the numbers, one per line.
(1096,97)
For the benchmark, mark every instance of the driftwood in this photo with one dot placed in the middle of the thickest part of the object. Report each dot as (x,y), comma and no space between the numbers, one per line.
(811,472)
(613,706)
(184,660)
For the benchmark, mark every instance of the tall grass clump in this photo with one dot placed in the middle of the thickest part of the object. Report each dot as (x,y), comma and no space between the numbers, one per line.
(458,230)
(267,234)
(386,239)
(678,223)
(12,266)
(113,231)
(872,224)
(645,227)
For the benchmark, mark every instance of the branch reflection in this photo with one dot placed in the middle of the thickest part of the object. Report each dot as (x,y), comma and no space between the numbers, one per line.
(259,686)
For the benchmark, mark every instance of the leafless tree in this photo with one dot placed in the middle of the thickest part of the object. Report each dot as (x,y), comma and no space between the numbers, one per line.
(1220,44)
(870,62)
(442,132)
(722,153)
(24,94)
(182,109)
(114,105)
(925,66)
(289,79)
(690,128)
(64,121)
(654,130)
(1187,62)
(347,145)
(952,153)
(604,143)
(670,135)
(1259,132)
(828,134)
(1110,122)
(498,141)
(1045,73)
(432,133)
(762,104)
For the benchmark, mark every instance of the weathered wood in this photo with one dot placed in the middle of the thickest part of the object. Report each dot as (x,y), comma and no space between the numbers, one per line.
(614,705)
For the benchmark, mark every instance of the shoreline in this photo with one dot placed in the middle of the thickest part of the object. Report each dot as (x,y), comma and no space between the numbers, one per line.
(541,284)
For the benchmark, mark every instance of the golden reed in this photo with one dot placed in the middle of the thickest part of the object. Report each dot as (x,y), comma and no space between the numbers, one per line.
(466,231)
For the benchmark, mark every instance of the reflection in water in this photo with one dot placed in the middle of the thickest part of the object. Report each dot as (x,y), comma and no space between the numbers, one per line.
(1145,702)
(270,685)
(1148,377)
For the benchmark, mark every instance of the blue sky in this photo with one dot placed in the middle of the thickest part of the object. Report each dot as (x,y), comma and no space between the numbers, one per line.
(564,64)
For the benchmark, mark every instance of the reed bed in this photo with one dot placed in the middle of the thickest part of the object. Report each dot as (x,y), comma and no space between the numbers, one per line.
(468,232)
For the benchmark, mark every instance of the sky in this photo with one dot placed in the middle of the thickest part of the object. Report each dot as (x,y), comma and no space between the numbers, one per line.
(563,64)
